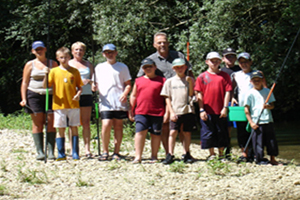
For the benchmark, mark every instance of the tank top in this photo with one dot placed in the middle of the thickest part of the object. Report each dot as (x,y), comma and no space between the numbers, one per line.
(36,80)
(85,74)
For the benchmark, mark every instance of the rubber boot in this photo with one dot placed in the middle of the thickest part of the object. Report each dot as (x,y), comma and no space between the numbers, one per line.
(51,145)
(75,148)
(39,144)
(60,142)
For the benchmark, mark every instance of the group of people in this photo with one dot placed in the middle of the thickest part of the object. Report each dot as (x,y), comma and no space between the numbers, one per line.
(162,102)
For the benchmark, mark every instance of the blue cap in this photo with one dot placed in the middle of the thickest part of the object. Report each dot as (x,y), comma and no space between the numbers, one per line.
(109,47)
(37,44)
(244,55)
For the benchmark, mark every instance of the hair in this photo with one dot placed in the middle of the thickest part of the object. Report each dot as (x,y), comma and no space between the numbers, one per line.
(81,44)
(160,33)
(63,50)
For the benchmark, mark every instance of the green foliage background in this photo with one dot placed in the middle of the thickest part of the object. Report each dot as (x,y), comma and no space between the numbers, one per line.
(264,28)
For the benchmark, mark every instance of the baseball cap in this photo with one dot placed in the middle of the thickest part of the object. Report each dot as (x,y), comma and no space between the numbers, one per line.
(212,55)
(244,55)
(229,51)
(37,44)
(256,74)
(178,62)
(147,61)
(110,47)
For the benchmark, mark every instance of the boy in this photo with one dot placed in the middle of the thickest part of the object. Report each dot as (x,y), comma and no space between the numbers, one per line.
(178,91)
(213,89)
(113,82)
(149,109)
(65,80)
(241,80)
(263,127)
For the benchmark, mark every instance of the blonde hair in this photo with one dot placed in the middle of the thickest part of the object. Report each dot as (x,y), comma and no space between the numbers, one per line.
(81,44)
(63,50)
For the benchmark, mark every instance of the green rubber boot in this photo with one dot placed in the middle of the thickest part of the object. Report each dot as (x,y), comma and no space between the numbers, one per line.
(51,145)
(39,144)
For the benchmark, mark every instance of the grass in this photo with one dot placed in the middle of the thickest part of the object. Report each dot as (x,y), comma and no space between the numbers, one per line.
(177,167)
(82,183)
(32,176)
(19,151)
(17,120)
(3,190)
(218,167)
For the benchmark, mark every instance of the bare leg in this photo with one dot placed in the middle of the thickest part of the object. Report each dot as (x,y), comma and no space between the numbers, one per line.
(155,143)
(221,151)
(187,141)
(118,136)
(50,127)
(172,141)
(211,152)
(182,138)
(105,133)
(61,132)
(165,136)
(85,114)
(139,143)
(38,120)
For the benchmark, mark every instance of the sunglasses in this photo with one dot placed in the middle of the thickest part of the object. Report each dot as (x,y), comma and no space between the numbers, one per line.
(230,56)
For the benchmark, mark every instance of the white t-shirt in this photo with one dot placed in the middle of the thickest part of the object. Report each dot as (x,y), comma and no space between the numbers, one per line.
(110,80)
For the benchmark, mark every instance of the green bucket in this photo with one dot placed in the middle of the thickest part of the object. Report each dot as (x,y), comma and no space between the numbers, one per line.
(237,113)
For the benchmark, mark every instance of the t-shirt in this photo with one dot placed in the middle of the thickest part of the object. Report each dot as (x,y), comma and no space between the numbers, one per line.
(229,71)
(176,89)
(164,66)
(213,88)
(243,83)
(148,99)
(255,100)
(64,82)
(111,84)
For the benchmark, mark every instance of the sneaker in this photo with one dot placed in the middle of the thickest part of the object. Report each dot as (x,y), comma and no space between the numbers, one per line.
(242,159)
(169,159)
(187,158)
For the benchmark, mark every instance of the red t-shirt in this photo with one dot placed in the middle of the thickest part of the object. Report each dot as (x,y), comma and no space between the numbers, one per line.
(148,99)
(213,88)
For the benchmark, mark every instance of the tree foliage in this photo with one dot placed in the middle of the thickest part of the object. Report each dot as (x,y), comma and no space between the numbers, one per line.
(264,28)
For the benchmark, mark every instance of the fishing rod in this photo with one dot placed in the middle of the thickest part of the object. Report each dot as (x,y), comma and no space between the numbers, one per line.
(272,88)
(47,86)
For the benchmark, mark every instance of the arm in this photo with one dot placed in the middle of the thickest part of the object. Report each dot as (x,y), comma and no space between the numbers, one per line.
(203,114)
(248,115)
(123,97)
(191,85)
(77,95)
(173,115)
(132,101)
(225,107)
(234,85)
(25,82)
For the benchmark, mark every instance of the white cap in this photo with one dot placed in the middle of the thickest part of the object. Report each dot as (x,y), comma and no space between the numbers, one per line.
(212,55)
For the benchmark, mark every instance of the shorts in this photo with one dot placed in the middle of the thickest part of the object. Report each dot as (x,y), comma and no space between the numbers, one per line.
(66,117)
(114,114)
(214,132)
(242,134)
(86,101)
(37,103)
(188,121)
(148,122)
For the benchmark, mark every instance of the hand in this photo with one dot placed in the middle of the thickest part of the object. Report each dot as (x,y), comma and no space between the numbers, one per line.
(23,103)
(123,98)
(188,79)
(76,97)
(267,106)
(234,101)
(254,125)
(174,117)
(46,70)
(223,112)
(94,87)
(166,117)
(203,116)
(86,81)
(130,115)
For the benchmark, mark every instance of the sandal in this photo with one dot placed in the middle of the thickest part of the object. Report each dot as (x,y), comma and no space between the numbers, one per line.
(89,156)
(103,157)
(136,162)
(116,157)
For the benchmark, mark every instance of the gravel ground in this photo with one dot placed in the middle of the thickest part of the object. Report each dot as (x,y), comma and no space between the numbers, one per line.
(22,177)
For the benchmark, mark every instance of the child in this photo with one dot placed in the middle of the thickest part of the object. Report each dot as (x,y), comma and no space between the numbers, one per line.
(241,80)
(65,80)
(213,89)
(149,109)
(263,127)
(178,91)
(113,81)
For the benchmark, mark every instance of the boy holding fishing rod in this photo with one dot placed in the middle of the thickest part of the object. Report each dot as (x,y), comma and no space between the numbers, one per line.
(264,134)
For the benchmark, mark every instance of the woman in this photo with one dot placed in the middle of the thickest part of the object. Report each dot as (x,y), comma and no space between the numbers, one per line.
(86,100)
(34,99)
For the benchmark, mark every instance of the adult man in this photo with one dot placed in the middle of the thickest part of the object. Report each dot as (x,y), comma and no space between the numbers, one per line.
(163,59)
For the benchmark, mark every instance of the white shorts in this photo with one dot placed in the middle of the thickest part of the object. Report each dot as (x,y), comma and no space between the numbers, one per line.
(61,117)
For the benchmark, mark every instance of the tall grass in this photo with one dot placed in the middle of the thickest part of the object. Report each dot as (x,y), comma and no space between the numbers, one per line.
(17,120)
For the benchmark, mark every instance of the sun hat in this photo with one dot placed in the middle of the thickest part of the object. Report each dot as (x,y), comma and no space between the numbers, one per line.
(109,47)
(147,61)
(178,62)
(37,44)
(244,55)
(229,51)
(212,55)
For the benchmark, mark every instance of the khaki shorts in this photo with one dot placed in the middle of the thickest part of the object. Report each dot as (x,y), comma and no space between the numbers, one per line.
(66,117)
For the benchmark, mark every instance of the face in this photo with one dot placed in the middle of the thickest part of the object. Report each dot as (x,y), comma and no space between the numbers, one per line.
(245,64)
(257,82)
(78,51)
(180,70)
(213,63)
(149,69)
(40,51)
(110,55)
(63,59)
(161,44)
(229,59)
